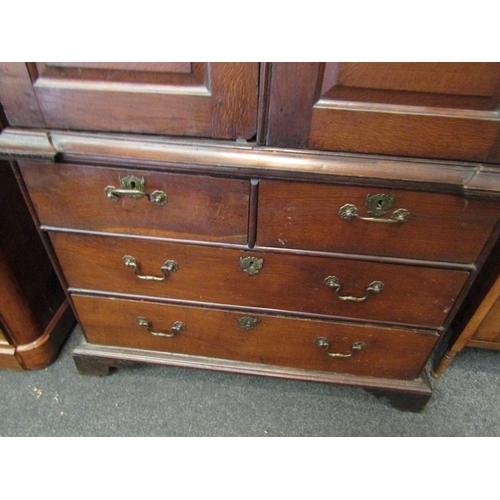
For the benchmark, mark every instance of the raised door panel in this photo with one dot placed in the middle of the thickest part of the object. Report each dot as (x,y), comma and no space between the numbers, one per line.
(430,110)
(217,100)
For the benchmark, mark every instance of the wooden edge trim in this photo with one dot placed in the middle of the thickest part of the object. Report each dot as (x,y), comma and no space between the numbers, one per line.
(8,360)
(16,144)
(121,354)
(263,102)
(253,160)
(483,344)
(44,350)
(395,109)
(484,182)
(418,329)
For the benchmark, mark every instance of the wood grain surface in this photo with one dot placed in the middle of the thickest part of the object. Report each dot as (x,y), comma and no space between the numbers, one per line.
(428,110)
(412,295)
(306,216)
(389,352)
(216,100)
(198,207)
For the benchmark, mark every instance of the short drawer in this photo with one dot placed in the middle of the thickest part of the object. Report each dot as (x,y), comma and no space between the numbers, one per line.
(273,340)
(89,198)
(428,226)
(409,294)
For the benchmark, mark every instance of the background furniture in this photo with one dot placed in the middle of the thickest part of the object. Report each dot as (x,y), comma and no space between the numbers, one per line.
(246,243)
(477,323)
(35,317)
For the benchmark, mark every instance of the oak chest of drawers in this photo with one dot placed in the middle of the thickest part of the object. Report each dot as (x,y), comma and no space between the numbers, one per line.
(244,257)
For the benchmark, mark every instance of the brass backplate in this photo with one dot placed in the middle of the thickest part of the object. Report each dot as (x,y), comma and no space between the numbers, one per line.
(251,265)
(247,323)
(132,182)
(378,204)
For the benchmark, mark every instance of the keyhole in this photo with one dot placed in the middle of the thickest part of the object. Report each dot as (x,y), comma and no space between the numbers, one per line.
(379,204)
(132,185)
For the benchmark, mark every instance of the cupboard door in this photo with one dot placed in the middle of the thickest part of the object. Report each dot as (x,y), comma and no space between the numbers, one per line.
(217,100)
(429,110)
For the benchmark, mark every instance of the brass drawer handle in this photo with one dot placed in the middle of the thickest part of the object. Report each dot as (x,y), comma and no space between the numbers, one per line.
(373,287)
(177,327)
(170,266)
(377,205)
(322,342)
(135,187)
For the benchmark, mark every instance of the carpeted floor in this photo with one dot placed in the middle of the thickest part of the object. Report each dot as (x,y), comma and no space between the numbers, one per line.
(145,400)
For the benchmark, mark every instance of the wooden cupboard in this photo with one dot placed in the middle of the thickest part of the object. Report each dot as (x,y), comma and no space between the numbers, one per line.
(257,228)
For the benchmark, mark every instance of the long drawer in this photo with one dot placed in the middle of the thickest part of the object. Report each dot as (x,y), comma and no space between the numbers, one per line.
(173,206)
(305,284)
(404,224)
(275,340)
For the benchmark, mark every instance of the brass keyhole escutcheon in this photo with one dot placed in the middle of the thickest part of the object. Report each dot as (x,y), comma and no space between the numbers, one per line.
(247,323)
(377,205)
(251,265)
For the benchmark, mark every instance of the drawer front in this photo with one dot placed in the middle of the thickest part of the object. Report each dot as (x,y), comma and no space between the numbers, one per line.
(410,295)
(274,340)
(197,207)
(440,227)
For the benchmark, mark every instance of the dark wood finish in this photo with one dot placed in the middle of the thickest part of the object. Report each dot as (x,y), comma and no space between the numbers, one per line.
(389,352)
(430,110)
(293,91)
(446,111)
(18,97)
(252,214)
(404,401)
(98,359)
(248,161)
(8,360)
(412,295)
(31,293)
(17,316)
(202,208)
(44,350)
(234,88)
(96,366)
(30,290)
(477,323)
(306,216)
(217,100)
(263,111)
